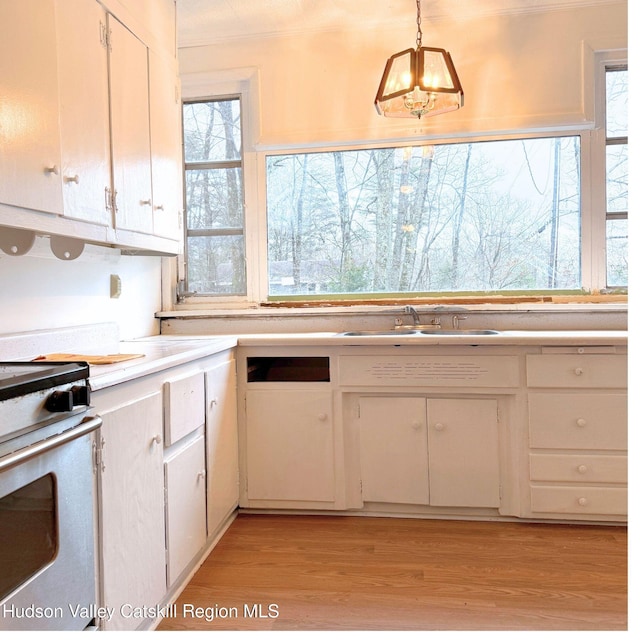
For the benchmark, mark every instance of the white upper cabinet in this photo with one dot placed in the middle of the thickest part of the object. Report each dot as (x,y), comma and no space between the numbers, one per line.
(29,141)
(166,165)
(84,109)
(89,110)
(130,144)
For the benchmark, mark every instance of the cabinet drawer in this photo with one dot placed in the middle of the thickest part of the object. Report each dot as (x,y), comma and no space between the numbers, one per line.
(568,370)
(578,468)
(183,406)
(579,500)
(432,371)
(578,421)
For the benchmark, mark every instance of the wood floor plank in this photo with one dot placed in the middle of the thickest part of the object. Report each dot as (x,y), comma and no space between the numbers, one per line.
(363,573)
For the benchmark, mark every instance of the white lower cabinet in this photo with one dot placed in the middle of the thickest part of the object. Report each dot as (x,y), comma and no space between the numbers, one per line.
(429,451)
(132,538)
(577,435)
(290,447)
(186,519)
(166,464)
(222,444)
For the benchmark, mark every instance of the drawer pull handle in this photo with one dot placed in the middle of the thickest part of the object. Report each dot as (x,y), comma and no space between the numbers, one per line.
(582,468)
(578,371)
(438,426)
(582,502)
(581,422)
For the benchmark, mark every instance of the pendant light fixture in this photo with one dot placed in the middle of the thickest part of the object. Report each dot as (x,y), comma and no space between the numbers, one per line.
(419,82)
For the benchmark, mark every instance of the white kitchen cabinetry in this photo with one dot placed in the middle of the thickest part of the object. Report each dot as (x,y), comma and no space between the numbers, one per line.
(81,27)
(155,454)
(130,143)
(185,481)
(91,128)
(132,537)
(222,444)
(29,140)
(290,454)
(577,435)
(435,451)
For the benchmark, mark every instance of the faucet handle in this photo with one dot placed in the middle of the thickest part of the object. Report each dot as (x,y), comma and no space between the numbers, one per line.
(455,321)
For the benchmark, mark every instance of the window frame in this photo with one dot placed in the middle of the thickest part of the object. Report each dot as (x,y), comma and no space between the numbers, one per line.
(244,83)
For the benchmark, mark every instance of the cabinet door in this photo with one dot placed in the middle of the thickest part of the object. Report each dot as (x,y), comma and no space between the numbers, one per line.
(84,109)
(29,139)
(132,508)
(290,450)
(131,159)
(222,444)
(393,450)
(464,467)
(166,150)
(186,521)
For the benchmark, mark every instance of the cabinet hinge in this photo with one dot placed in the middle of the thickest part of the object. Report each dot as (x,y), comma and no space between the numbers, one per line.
(105,36)
(98,457)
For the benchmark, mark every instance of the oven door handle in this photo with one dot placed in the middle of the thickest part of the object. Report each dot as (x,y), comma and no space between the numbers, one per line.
(86,426)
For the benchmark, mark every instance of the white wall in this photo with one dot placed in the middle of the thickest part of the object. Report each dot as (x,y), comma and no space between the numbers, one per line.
(517,71)
(39,291)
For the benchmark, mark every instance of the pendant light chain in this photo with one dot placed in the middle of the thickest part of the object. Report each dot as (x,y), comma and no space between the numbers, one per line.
(418,21)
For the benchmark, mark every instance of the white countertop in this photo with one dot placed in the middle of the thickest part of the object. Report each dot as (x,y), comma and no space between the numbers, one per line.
(158,353)
(164,351)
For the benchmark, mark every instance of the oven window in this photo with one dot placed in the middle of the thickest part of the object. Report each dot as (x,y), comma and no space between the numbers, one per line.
(28,532)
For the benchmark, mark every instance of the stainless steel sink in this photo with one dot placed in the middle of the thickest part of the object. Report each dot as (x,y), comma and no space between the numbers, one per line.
(459,332)
(422,332)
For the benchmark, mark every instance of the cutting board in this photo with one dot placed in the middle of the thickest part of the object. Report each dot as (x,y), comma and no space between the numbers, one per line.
(104,359)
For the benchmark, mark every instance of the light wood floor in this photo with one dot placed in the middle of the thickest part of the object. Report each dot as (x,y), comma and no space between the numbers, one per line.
(360,573)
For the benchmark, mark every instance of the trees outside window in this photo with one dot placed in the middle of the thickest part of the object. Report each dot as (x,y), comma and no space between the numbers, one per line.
(479,216)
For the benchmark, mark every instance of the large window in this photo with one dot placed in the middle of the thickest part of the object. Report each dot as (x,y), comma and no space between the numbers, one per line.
(214,200)
(478,216)
(616,175)
(543,212)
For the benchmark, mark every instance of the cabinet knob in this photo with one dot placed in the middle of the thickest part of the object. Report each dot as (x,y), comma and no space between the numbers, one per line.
(582,468)
(214,402)
(52,169)
(582,502)
(157,439)
(75,179)
(202,474)
(438,426)
(581,422)
(323,417)
(578,371)
(145,202)
(159,207)
(416,425)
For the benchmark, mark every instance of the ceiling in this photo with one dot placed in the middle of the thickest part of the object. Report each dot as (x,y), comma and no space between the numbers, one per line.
(209,21)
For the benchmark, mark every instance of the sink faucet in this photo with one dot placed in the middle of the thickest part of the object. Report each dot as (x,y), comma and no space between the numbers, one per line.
(413,312)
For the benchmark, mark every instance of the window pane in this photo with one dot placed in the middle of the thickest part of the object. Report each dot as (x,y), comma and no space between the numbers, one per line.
(617,240)
(214,198)
(216,265)
(486,216)
(617,178)
(617,103)
(212,131)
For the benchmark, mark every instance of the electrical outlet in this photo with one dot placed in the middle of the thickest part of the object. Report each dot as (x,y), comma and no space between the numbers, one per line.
(115,286)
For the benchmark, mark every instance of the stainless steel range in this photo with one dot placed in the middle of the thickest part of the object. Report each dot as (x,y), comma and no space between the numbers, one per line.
(47,497)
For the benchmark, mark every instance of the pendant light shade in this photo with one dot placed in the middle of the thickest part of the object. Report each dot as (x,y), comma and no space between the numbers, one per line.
(419,82)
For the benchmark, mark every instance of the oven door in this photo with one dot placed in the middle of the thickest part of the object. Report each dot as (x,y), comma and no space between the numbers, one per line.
(47,557)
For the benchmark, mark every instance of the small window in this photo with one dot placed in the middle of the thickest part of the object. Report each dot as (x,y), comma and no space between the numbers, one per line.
(616,163)
(214,198)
